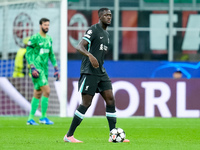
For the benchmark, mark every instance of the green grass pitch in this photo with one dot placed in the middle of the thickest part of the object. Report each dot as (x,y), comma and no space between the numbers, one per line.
(143,133)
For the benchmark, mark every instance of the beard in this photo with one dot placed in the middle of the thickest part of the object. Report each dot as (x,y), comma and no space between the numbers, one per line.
(45,31)
(108,24)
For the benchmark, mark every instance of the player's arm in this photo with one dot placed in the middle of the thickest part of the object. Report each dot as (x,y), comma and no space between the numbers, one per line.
(52,58)
(31,56)
(81,49)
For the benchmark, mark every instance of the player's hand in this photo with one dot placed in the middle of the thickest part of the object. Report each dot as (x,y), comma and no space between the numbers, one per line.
(56,74)
(93,61)
(35,73)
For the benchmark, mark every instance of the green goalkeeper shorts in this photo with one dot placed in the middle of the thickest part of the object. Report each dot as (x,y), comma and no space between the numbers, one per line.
(42,80)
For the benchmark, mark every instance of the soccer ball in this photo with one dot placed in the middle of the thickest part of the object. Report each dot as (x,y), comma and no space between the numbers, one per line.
(117,135)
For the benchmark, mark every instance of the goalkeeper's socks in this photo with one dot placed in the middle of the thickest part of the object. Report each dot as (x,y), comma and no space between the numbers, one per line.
(111,116)
(34,106)
(44,106)
(78,117)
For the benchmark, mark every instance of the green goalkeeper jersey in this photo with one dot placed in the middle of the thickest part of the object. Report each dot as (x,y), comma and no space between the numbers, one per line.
(39,51)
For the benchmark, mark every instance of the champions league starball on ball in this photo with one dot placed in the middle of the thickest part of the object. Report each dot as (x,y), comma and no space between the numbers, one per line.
(117,135)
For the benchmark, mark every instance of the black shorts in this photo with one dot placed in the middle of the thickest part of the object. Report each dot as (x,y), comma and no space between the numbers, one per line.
(91,84)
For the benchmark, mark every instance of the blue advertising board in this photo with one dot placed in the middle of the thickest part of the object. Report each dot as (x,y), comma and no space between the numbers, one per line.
(123,69)
(142,69)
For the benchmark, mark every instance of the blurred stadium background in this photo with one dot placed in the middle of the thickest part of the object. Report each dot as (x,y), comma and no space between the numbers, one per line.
(149,39)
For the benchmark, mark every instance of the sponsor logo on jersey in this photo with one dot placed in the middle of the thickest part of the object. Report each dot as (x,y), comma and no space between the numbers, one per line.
(103,47)
(43,51)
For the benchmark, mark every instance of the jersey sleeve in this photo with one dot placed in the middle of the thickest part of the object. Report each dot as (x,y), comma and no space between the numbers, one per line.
(52,56)
(89,35)
(30,53)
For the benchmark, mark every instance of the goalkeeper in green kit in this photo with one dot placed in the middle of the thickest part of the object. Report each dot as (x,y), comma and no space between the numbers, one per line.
(39,51)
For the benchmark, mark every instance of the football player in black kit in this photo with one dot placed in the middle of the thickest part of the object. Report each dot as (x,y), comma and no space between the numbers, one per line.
(94,78)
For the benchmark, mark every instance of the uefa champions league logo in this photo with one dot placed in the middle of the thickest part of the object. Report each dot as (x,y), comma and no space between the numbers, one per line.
(181,66)
(22,28)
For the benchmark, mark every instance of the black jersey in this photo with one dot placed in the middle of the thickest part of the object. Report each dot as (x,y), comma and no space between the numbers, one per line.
(98,40)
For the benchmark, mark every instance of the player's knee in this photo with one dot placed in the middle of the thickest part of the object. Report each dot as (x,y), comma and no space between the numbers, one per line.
(46,92)
(37,94)
(86,104)
(86,100)
(110,102)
